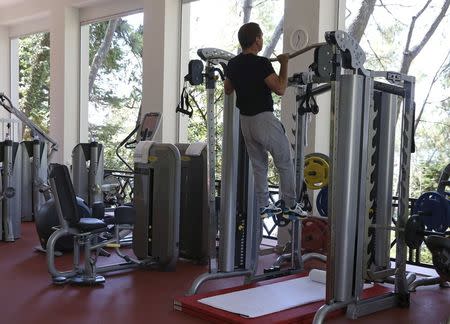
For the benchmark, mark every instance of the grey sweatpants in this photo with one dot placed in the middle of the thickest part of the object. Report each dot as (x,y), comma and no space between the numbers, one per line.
(264,133)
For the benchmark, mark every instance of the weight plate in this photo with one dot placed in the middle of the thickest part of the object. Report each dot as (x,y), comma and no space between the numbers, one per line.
(320,155)
(314,235)
(434,211)
(322,202)
(316,171)
(414,232)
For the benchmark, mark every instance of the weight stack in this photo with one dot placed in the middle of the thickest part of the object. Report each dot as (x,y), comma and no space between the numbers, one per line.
(87,171)
(34,176)
(157,170)
(194,214)
(10,186)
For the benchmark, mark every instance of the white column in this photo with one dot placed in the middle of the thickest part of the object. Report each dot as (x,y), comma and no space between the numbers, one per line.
(160,87)
(314,18)
(84,84)
(9,81)
(14,85)
(183,120)
(64,80)
(14,71)
(5,72)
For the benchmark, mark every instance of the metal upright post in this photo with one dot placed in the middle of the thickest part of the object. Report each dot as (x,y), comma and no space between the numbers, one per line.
(401,283)
(210,84)
(35,174)
(39,172)
(300,144)
(387,111)
(237,257)
(343,206)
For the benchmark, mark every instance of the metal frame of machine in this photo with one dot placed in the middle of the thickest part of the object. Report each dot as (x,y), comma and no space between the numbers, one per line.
(364,108)
(25,174)
(240,227)
(360,189)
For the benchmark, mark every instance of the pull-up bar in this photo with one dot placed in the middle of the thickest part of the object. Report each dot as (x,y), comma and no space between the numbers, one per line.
(301,51)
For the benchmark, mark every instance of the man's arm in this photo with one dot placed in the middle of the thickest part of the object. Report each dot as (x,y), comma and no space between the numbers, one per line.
(228,87)
(278,83)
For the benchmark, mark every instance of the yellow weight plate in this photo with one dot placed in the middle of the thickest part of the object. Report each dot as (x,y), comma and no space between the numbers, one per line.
(316,172)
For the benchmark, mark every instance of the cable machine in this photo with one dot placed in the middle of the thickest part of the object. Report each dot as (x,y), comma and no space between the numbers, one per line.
(24,174)
(360,188)
(237,226)
(364,108)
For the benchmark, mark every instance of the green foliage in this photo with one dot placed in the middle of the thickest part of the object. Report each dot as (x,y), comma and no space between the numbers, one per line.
(433,151)
(384,43)
(34,79)
(117,92)
(106,134)
(384,57)
(112,62)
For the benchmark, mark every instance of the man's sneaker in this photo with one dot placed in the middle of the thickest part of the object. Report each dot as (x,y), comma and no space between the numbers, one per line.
(295,211)
(269,211)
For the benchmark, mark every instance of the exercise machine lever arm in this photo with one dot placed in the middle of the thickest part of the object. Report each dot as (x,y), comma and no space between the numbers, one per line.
(36,130)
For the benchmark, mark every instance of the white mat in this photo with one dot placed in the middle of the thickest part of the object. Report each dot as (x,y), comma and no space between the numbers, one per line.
(268,299)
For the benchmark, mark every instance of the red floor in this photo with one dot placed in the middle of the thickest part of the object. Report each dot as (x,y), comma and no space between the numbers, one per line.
(27,295)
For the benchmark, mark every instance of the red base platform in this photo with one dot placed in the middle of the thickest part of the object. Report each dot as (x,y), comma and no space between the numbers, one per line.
(300,314)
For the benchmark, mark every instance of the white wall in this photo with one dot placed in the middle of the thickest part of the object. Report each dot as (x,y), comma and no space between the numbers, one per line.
(161,63)
(64,80)
(5,70)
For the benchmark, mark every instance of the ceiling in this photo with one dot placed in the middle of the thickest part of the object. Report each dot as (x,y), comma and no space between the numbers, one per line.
(7,3)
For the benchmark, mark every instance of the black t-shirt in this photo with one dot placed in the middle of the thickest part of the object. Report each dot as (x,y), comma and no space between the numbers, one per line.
(247,73)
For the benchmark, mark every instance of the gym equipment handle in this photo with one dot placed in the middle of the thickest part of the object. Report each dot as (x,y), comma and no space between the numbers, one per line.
(302,51)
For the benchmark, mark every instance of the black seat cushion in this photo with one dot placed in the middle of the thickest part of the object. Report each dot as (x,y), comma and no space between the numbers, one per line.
(124,215)
(90,224)
(65,194)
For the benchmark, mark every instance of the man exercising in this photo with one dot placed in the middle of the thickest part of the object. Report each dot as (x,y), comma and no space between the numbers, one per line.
(253,78)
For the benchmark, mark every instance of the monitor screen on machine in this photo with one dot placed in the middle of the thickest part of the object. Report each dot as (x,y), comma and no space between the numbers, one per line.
(149,126)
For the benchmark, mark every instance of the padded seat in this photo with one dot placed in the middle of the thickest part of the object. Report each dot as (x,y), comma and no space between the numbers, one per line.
(437,242)
(124,215)
(90,225)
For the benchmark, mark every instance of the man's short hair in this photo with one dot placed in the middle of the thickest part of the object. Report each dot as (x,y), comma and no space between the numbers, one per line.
(247,34)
